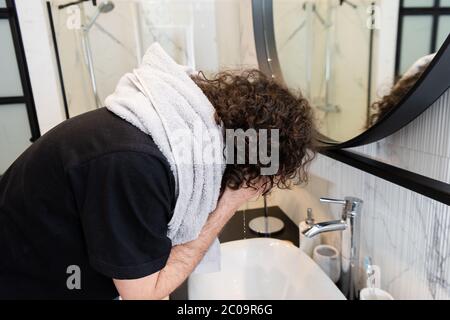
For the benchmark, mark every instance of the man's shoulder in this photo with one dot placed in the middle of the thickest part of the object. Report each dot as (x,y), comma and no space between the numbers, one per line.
(96,134)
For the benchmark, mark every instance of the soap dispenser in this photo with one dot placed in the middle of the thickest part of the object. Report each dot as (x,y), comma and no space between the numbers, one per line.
(372,290)
(306,244)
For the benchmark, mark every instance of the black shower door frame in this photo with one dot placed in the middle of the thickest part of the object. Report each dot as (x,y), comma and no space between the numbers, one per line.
(9,13)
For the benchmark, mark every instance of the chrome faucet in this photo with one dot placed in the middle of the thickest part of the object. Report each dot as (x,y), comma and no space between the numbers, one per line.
(350,225)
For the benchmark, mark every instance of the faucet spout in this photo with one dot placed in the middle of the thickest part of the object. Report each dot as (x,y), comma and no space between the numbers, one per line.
(318,228)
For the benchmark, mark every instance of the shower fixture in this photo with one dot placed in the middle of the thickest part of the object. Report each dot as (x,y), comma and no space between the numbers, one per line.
(351,4)
(327,22)
(103,8)
(62,6)
(313,8)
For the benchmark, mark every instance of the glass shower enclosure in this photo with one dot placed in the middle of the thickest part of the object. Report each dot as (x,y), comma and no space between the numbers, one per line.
(98,44)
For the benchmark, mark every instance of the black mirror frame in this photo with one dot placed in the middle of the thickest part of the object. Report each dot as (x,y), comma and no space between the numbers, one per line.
(434,82)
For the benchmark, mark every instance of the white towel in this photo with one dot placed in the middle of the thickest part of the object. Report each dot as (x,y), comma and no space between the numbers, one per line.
(419,64)
(161,99)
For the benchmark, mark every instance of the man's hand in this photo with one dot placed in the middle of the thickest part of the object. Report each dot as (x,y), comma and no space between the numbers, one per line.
(184,258)
(234,199)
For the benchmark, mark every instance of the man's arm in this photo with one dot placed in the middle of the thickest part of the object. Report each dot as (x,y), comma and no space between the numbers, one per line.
(184,258)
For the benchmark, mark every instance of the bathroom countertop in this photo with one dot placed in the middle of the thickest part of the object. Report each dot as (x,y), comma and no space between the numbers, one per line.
(237,229)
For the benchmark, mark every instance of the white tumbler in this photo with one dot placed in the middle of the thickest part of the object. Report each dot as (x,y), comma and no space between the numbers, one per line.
(328,259)
(374,294)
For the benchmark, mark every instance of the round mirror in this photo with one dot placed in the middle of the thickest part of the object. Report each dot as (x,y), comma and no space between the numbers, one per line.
(355,59)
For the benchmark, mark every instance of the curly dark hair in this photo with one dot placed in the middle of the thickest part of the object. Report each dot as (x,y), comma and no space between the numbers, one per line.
(391,100)
(251,100)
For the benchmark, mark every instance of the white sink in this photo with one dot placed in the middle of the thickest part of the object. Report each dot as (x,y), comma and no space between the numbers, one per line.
(263,269)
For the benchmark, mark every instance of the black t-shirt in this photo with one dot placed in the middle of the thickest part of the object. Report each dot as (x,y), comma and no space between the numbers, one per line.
(88,202)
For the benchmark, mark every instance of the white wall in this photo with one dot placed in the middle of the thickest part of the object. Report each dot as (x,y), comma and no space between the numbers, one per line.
(40,57)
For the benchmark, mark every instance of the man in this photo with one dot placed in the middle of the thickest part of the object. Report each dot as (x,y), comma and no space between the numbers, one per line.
(84,212)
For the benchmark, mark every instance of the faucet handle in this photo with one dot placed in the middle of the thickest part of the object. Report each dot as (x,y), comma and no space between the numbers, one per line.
(333,201)
(351,204)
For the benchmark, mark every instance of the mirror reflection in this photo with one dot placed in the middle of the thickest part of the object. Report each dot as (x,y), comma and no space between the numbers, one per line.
(356,59)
